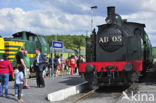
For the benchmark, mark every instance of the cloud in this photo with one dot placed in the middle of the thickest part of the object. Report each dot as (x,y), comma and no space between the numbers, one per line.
(43,21)
(83,6)
(149,5)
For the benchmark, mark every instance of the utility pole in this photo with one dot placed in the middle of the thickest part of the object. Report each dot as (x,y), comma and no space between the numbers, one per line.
(92,23)
(54,48)
(56,37)
(86,34)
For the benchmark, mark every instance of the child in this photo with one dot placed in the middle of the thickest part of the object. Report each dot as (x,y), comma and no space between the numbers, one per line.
(45,72)
(19,82)
(15,85)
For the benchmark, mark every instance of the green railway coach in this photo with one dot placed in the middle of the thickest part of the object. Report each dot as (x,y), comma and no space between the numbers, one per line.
(27,39)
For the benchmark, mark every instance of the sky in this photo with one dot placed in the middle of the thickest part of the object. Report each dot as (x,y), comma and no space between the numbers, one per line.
(71,16)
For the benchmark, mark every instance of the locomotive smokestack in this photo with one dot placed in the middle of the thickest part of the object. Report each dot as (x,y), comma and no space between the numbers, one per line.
(110,14)
(111,11)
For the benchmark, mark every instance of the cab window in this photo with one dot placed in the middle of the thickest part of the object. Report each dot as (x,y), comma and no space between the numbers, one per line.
(43,40)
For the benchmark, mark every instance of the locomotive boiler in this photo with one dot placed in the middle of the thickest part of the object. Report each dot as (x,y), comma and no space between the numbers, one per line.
(118,53)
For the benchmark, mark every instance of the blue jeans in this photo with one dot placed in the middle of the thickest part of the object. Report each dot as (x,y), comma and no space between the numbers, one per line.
(51,71)
(16,88)
(4,81)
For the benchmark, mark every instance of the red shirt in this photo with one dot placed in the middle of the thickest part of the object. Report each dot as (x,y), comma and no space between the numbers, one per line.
(5,67)
(72,62)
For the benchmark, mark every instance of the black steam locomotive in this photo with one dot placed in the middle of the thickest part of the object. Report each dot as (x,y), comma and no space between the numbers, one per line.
(118,54)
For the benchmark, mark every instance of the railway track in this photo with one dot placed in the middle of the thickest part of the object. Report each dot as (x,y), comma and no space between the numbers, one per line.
(85,95)
(134,87)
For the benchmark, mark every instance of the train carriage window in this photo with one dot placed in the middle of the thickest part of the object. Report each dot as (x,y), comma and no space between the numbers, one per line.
(30,38)
(18,37)
(137,31)
(43,40)
(33,38)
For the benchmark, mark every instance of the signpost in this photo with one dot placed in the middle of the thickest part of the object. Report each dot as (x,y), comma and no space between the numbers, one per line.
(57,44)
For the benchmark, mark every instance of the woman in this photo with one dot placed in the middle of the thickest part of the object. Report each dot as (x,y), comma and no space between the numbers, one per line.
(5,70)
(59,65)
(72,64)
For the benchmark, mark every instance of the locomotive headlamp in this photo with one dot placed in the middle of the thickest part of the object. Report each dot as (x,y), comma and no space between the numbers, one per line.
(108,21)
(128,67)
(90,68)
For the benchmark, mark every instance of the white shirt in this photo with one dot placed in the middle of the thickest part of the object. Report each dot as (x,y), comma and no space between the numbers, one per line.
(19,77)
(38,57)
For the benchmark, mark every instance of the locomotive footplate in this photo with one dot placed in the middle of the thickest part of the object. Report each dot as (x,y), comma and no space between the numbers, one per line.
(109,74)
(112,76)
(116,77)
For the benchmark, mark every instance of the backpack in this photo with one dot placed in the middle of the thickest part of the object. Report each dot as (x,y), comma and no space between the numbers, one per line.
(55,62)
(45,65)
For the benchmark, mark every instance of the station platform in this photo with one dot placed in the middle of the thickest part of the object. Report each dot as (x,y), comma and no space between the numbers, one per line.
(38,95)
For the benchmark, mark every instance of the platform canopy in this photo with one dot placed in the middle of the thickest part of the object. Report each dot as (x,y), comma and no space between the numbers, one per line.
(62,50)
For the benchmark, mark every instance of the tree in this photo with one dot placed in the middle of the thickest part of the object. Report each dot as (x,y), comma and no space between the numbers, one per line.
(79,41)
(74,42)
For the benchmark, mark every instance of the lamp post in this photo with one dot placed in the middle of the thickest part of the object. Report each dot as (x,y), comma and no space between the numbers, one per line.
(92,7)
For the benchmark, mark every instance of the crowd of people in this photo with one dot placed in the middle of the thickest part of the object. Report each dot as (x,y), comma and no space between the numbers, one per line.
(42,65)
(70,65)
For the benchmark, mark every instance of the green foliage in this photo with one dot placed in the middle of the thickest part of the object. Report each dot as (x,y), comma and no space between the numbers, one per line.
(154,52)
(69,41)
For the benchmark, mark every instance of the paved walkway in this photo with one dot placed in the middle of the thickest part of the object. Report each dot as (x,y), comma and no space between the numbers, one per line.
(38,95)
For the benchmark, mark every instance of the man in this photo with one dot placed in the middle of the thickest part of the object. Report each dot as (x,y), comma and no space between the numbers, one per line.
(76,68)
(39,63)
(56,65)
(20,58)
(26,72)
(51,67)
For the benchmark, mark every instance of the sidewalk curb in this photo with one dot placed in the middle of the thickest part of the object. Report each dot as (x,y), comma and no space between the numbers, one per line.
(67,92)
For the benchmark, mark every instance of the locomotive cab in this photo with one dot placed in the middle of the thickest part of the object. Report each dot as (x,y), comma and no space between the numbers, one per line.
(33,41)
(30,41)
